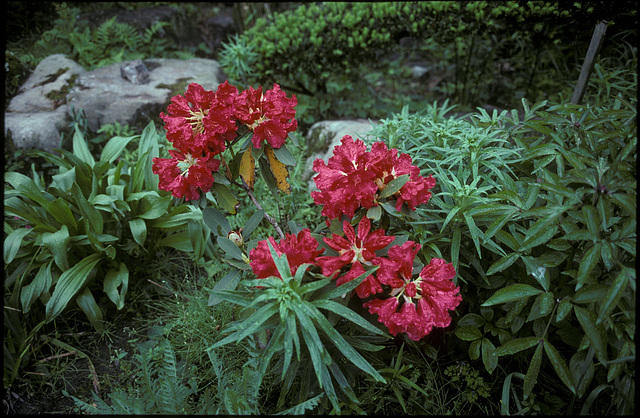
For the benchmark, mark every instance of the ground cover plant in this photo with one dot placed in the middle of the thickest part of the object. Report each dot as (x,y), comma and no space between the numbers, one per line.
(485,263)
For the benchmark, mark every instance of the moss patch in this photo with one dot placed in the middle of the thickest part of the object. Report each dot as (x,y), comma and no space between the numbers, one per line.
(60,96)
(179,87)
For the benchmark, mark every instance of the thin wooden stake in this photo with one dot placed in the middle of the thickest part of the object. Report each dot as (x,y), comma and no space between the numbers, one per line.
(589,61)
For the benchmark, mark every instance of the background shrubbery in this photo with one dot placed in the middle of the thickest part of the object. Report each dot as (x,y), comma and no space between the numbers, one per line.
(535,206)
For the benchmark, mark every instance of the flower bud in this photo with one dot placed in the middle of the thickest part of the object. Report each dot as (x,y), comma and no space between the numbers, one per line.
(236,238)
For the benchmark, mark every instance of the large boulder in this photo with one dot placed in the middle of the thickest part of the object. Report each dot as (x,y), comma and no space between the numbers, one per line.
(324,136)
(108,97)
(37,114)
(127,93)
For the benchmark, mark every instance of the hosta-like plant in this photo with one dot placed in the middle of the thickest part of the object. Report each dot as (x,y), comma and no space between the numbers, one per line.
(83,233)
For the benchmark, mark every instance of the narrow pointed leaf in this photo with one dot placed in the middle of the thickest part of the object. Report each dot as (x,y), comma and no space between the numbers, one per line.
(532,373)
(512,293)
(13,242)
(69,283)
(559,365)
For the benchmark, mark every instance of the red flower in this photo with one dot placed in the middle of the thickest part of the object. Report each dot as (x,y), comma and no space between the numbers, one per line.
(299,249)
(184,175)
(201,120)
(357,250)
(388,165)
(271,116)
(426,300)
(354,178)
(344,183)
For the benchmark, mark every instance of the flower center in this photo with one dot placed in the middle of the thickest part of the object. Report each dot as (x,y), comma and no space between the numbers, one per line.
(195,120)
(187,163)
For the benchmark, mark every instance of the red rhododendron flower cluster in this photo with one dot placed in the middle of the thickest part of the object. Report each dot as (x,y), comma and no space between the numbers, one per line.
(413,305)
(300,249)
(354,177)
(201,123)
(355,251)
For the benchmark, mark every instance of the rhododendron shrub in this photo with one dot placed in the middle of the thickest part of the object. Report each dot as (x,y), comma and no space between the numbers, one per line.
(292,288)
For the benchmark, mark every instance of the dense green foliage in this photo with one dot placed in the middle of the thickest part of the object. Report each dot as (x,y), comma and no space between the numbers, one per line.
(538,214)
(328,52)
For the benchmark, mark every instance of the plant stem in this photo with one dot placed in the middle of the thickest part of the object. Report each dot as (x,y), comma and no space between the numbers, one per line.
(268,217)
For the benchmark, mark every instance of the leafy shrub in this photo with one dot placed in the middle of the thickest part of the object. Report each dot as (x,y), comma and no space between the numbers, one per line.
(109,43)
(537,213)
(324,50)
(91,228)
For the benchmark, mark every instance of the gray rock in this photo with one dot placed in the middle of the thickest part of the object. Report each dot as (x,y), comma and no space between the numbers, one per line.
(135,71)
(39,130)
(324,136)
(107,97)
(126,93)
(38,112)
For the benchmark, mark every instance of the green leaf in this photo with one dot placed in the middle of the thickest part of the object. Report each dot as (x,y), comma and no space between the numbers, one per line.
(503,263)
(489,357)
(345,348)
(532,373)
(225,198)
(455,246)
(588,263)
(214,218)
(40,284)
(13,242)
(57,243)
(474,349)
(63,181)
(595,333)
(349,286)
(228,282)
(284,156)
(138,230)
(80,148)
(374,213)
(515,346)
(148,149)
(251,324)
(564,308)
(252,224)
(69,283)
(613,294)
(114,147)
(507,389)
(498,223)
(92,217)
(88,305)
(347,313)
(593,221)
(541,237)
(60,210)
(559,365)
(230,248)
(537,270)
(27,187)
(468,333)
(512,293)
(626,202)
(542,306)
(112,280)
(393,186)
